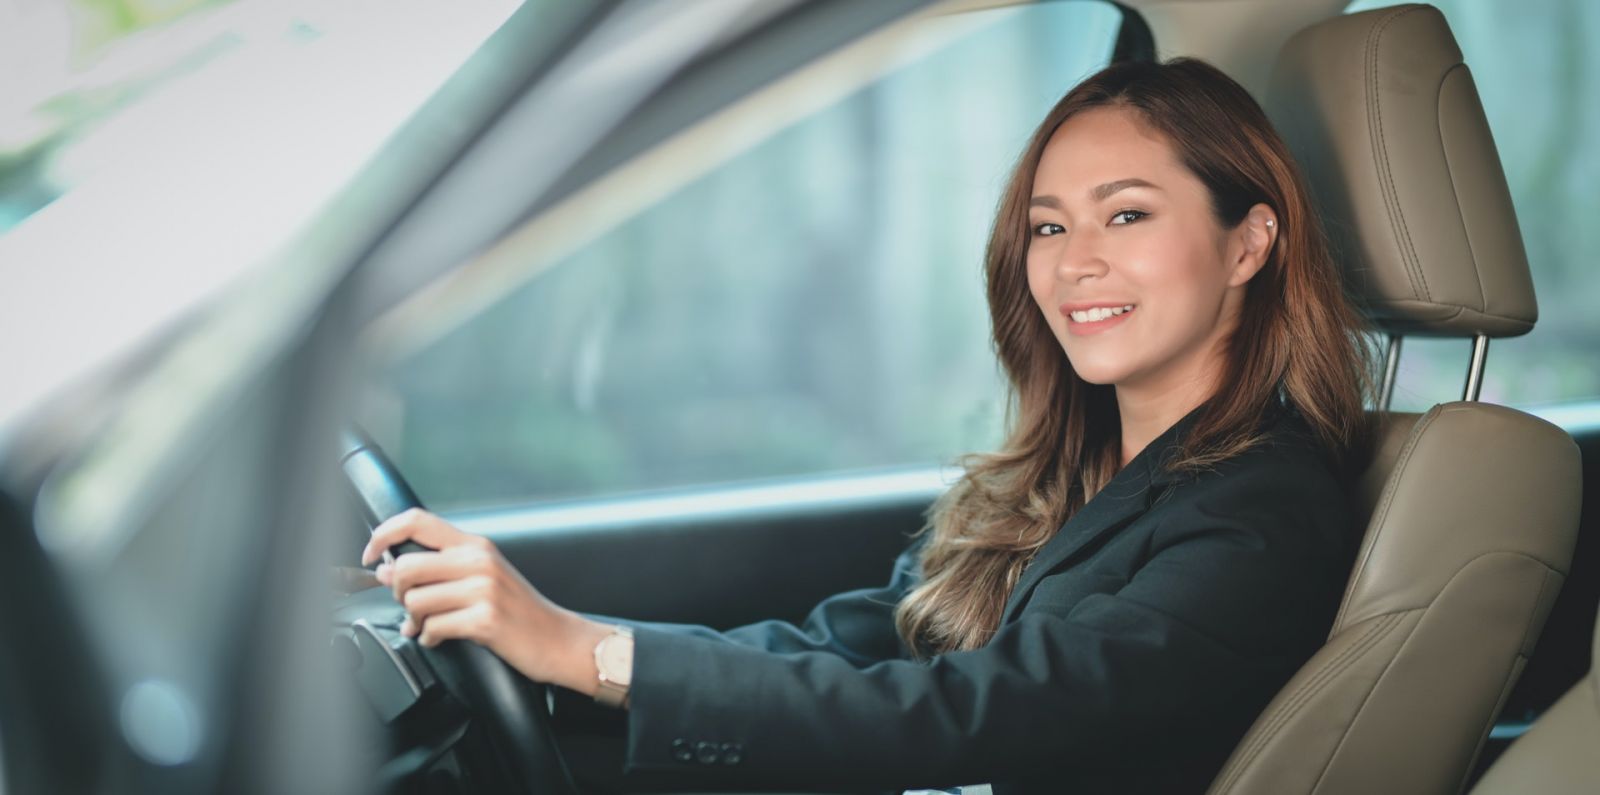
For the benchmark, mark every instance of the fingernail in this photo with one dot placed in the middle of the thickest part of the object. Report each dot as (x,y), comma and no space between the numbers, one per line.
(382,573)
(407,628)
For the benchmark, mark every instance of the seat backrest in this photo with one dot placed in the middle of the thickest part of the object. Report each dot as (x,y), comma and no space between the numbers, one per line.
(1473,507)
(1558,754)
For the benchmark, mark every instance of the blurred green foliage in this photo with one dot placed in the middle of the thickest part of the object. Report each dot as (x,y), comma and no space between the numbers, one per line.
(98,23)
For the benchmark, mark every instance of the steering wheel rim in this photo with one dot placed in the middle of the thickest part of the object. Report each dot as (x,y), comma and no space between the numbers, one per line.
(513,708)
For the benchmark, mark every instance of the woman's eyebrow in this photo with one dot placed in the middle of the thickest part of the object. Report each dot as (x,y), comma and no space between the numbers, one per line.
(1103,192)
(1099,193)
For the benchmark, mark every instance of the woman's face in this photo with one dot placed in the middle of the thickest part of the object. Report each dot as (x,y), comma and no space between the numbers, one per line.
(1134,275)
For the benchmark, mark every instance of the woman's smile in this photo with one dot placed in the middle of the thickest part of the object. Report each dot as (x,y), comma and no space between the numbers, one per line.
(1085,319)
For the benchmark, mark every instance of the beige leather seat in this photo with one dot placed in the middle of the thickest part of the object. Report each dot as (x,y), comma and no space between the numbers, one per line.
(1474,507)
(1560,754)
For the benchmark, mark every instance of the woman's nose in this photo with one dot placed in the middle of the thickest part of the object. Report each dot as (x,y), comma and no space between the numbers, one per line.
(1080,259)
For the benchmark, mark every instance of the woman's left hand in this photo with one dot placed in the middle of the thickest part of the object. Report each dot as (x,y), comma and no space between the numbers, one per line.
(467,590)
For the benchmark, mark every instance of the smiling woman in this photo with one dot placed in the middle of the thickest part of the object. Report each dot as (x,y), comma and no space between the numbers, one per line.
(1185,244)
(1174,261)
(1157,546)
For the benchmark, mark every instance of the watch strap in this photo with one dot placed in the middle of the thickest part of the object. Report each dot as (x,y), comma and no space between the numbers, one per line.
(611,693)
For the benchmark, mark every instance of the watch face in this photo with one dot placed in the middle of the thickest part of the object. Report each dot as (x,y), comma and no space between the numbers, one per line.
(616,659)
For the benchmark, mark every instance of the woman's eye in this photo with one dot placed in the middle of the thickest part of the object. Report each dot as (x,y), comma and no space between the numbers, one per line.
(1047,229)
(1127,216)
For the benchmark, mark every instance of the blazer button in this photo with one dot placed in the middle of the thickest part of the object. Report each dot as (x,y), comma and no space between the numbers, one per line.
(705,752)
(732,753)
(681,750)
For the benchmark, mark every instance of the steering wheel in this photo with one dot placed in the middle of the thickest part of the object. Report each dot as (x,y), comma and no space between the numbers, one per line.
(512,709)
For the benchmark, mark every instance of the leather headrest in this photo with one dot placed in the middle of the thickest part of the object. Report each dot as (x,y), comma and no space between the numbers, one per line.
(1385,119)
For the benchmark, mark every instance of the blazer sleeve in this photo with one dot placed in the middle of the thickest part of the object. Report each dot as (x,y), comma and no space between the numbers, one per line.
(857,626)
(1238,584)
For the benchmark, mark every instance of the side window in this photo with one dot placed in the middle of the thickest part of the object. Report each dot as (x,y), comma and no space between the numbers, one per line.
(810,301)
(1537,76)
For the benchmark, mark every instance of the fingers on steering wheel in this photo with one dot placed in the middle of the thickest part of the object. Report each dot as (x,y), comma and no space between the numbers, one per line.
(426,601)
(414,524)
(469,623)
(425,568)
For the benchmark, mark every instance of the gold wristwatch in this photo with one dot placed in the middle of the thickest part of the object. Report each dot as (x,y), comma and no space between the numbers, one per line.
(613,658)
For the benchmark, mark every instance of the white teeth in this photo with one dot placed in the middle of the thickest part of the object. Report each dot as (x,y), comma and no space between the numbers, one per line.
(1099,313)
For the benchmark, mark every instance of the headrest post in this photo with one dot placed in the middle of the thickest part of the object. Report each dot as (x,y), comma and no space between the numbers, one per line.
(1480,352)
(1391,368)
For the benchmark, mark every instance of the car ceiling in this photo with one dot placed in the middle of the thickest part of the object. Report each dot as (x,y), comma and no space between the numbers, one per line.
(1241,37)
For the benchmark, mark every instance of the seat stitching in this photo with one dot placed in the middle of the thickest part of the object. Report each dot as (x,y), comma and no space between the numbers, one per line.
(1401,651)
(1379,625)
(1419,281)
(1507,683)
(1302,694)
(1544,585)
(1382,513)
(1594,690)
(1455,193)
(1357,714)
(1379,628)
(1524,554)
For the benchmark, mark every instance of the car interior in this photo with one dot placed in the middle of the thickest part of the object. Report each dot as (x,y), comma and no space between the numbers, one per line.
(1463,554)
(1460,659)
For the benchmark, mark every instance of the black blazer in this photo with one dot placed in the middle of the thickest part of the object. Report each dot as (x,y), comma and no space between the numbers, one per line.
(1134,653)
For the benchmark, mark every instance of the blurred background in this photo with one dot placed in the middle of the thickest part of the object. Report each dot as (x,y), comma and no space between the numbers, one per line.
(794,288)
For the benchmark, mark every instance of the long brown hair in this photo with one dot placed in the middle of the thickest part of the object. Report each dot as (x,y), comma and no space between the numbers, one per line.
(1298,341)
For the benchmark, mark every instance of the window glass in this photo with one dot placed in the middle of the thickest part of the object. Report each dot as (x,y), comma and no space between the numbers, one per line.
(145,98)
(813,302)
(1535,69)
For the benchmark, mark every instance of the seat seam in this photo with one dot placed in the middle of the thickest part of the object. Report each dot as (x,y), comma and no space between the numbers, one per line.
(1419,281)
(1381,515)
(1464,564)
(1588,681)
(1401,651)
(1544,585)
(1510,677)
(1488,726)
(1455,193)
(1303,694)
(1345,735)
(1380,628)
(1380,625)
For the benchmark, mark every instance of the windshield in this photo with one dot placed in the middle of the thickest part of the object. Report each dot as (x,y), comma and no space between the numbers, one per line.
(156,152)
(116,90)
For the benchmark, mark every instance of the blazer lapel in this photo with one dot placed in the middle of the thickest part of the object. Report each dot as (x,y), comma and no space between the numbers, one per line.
(1128,495)
(1122,500)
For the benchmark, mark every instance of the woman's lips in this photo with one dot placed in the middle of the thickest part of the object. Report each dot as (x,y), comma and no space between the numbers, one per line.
(1084,327)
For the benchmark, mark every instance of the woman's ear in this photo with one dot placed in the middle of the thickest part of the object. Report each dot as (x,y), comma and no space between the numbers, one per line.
(1252,243)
